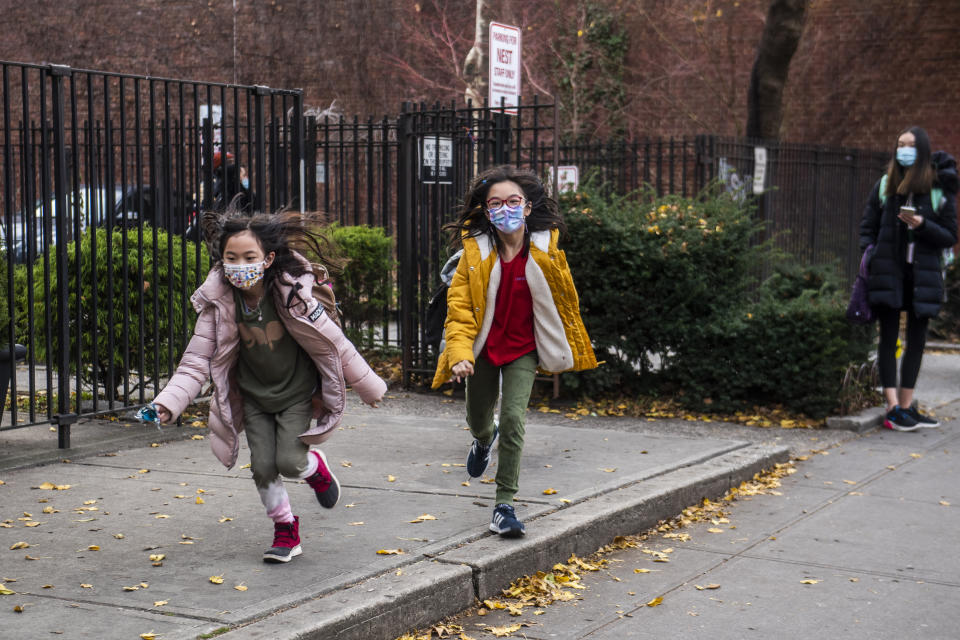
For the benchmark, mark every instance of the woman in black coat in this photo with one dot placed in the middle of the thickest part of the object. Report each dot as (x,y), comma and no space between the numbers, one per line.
(909,233)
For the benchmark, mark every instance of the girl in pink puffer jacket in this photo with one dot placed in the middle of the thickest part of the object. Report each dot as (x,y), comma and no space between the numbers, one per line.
(277,361)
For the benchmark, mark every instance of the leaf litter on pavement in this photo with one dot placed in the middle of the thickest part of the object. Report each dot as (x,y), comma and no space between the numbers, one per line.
(563,583)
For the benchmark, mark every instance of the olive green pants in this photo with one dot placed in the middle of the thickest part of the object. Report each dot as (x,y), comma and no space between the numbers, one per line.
(273,438)
(483,390)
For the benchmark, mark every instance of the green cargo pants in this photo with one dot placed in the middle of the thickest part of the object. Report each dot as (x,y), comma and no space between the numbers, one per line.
(483,389)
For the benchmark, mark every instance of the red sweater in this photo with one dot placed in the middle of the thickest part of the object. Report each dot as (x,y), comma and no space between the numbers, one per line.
(511,334)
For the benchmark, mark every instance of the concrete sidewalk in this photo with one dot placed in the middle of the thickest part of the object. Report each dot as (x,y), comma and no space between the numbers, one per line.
(88,573)
(136,492)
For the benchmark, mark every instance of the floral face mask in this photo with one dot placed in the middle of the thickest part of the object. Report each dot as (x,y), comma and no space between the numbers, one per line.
(244,276)
(506,218)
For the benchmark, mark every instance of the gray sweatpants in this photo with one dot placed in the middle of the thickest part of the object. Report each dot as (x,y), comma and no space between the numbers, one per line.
(275,448)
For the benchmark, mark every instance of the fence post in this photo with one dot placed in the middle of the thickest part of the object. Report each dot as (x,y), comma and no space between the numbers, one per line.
(406,163)
(260,152)
(310,162)
(63,418)
(298,164)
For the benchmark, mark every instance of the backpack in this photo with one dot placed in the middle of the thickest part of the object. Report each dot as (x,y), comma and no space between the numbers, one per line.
(936,194)
(437,309)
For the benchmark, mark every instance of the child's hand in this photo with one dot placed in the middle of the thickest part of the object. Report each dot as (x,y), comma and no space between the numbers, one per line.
(462,369)
(163,414)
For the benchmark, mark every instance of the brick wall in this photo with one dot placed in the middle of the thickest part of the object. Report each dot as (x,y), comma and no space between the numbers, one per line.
(864,69)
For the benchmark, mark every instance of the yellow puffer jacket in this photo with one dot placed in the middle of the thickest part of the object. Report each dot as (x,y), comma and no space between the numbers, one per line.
(562,340)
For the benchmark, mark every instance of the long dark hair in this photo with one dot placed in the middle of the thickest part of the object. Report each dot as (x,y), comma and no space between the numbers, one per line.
(918,177)
(472,217)
(284,233)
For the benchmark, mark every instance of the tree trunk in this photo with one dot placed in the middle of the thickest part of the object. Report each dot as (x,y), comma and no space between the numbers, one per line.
(475,66)
(781,35)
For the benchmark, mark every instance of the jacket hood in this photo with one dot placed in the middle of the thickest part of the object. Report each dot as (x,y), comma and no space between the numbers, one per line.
(946,171)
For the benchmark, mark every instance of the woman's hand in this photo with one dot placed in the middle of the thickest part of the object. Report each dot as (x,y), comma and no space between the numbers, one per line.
(163,414)
(462,369)
(912,221)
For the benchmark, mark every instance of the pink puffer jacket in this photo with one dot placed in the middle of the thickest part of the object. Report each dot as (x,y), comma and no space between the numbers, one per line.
(213,353)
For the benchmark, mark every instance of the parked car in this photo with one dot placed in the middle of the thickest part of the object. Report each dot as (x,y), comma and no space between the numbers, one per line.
(126,208)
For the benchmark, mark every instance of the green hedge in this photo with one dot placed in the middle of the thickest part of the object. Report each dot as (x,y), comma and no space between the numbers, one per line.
(673,280)
(364,287)
(792,347)
(4,301)
(652,273)
(172,289)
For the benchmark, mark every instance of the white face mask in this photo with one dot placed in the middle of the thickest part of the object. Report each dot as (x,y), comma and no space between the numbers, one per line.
(244,276)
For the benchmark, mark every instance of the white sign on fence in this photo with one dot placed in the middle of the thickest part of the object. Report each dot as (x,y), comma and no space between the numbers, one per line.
(759,169)
(321,172)
(568,177)
(504,55)
(436,163)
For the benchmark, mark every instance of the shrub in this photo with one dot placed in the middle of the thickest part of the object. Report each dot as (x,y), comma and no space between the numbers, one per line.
(4,301)
(364,287)
(792,347)
(654,273)
(163,326)
(947,323)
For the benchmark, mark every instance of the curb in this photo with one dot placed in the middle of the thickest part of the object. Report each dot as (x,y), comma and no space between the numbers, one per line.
(386,606)
(864,421)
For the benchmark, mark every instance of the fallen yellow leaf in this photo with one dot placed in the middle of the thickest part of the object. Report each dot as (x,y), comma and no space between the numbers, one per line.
(118,536)
(916,455)
(93,547)
(150,635)
(224,519)
(4,591)
(390,552)
(133,588)
(241,587)
(423,518)
(391,479)
(216,579)
(86,586)
(160,603)
(609,469)
(809,581)
(356,524)
(709,586)
(641,570)
(161,516)
(157,557)
(549,492)
(199,500)
(20,545)
(714,530)
(346,463)
(944,503)
(196,436)
(655,602)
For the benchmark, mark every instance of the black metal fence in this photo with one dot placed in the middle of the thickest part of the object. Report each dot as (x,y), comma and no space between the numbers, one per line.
(124,154)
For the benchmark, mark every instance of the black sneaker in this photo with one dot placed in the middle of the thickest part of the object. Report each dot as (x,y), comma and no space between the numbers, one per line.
(922,420)
(505,522)
(900,420)
(286,542)
(479,456)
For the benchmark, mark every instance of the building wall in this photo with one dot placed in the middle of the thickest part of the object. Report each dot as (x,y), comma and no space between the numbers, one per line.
(864,70)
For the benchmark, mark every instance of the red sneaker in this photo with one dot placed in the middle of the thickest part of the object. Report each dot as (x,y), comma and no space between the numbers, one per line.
(323,482)
(286,542)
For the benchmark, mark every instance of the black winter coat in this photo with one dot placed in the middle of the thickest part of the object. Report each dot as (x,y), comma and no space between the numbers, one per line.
(881,228)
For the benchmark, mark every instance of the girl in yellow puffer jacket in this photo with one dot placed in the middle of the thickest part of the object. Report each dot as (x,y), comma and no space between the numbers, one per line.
(511,309)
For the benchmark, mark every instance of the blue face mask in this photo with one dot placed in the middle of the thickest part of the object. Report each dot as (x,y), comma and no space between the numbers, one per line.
(906,156)
(507,219)
(246,183)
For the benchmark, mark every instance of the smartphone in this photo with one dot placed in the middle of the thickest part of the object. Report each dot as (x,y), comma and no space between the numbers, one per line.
(910,211)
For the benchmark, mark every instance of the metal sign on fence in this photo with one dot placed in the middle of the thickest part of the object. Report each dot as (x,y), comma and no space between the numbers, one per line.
(759,169)
(436,160)
(568,178)
(504,55)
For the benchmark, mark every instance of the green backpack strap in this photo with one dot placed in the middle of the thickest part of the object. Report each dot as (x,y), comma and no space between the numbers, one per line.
(936,194)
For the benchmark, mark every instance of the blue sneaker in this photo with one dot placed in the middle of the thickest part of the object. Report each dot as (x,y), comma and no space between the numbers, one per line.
(505,522)
(900,420)
(479,456)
